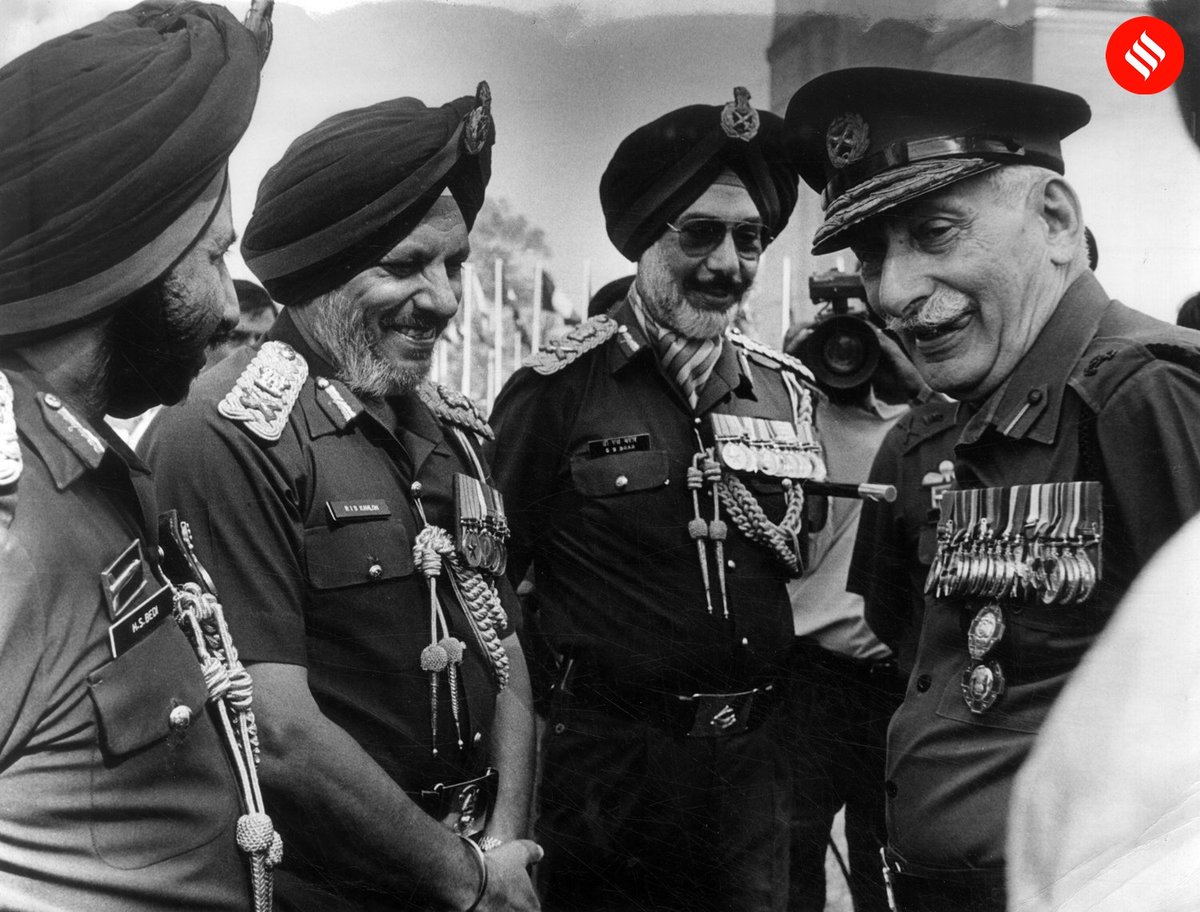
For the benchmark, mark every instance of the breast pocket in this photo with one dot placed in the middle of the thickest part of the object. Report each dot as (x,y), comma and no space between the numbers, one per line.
(357,553)
(158,790)
(620,473)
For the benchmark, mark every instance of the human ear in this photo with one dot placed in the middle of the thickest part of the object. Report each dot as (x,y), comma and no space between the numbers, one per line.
(1062,215)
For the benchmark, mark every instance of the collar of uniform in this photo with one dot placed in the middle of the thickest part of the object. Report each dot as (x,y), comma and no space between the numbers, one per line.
(1028,403)
(730,372)
(632,343)
(331,407)
(67,444)
(417,428)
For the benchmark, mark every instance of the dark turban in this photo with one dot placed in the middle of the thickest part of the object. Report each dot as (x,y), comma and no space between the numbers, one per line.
(350,189)
(662,168)
(112,159)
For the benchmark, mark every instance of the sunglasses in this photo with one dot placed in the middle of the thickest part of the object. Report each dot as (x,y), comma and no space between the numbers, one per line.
(701,236)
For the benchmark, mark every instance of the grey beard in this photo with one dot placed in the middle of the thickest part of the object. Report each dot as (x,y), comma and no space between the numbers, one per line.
(351,349)
(669,306)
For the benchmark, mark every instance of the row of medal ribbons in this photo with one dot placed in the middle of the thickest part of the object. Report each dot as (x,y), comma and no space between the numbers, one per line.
(482,526)
(1024,543)
(767,446)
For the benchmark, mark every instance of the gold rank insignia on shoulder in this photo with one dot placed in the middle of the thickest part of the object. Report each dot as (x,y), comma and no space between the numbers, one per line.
(753,345)
(10,447)
(738,119)
(263,396)
(455,408)
(561,351)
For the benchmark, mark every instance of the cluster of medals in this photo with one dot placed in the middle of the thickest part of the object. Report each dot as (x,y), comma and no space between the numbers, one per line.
(778,449)
(1012,547)
(482,526)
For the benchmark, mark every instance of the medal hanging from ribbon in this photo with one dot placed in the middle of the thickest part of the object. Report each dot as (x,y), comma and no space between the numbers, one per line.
(747,445)
(482,526)
(1010,547)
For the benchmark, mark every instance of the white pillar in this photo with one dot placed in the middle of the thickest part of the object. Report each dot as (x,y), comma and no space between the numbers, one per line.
(785,301)
(468,327)
(497,331)
(535,327)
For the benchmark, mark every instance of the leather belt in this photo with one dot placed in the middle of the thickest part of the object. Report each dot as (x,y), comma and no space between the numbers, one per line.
(973,888)
(696,715)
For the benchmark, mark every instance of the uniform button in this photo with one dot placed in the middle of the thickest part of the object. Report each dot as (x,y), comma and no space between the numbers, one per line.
(732,565)
(180,718)
(478,737)
(1035,396)
(322,383)
(923,683)
(890,788)
(745,641)
(375,571)
(52,401)
(621,482)
(559,728)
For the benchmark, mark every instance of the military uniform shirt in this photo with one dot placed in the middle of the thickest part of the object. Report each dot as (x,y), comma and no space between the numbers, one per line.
(592,462)
(103,806)
(341,597)
(897,541)
(1106,394)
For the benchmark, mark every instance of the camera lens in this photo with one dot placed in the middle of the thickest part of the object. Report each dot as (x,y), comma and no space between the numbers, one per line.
(843,354)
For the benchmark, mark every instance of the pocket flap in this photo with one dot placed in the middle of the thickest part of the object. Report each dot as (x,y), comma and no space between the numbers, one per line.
(355,553)
(621,473)
(135,693)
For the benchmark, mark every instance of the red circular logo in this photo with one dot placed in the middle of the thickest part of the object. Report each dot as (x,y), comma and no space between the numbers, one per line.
(1144,55)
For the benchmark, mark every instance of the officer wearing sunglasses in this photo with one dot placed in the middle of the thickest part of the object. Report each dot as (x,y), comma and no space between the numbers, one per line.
(660,569)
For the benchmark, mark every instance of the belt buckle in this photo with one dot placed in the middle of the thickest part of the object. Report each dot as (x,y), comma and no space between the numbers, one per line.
(717,715)
(470,802)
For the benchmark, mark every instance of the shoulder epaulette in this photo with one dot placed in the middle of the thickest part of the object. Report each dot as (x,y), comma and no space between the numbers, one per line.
(564,349)
(453,407)
(263,396)
(1108,362)
(10,447)
(753,345)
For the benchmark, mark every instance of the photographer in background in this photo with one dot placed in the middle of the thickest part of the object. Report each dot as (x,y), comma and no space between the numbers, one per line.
(843,681)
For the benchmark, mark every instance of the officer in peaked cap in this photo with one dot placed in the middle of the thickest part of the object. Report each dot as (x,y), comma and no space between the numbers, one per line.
(950,190)
(114,217)
(664,785)
(348,517)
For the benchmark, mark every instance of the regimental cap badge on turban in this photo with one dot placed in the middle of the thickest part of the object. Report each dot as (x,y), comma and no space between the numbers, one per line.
(478,130)
(847,139)
(738,119)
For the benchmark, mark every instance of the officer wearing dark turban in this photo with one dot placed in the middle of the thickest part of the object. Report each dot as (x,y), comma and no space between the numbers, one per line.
(661,555)
(951,192)
(390,687)
(114,215)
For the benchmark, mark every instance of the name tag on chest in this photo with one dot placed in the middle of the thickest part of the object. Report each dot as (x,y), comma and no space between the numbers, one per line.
(611,445)
(343,511)
(134,626)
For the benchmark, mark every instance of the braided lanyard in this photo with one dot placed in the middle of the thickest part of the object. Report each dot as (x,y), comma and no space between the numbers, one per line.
(201,618)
